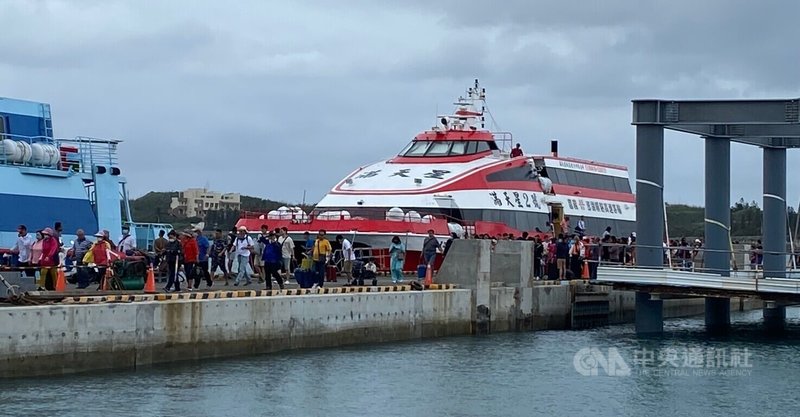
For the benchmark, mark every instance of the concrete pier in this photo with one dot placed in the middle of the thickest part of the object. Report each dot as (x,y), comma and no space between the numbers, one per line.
(59,339)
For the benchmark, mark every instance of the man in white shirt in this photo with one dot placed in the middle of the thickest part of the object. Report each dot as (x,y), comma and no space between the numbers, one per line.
(22,248)
(243,247)
(127,244)
(287,251)
(348,256)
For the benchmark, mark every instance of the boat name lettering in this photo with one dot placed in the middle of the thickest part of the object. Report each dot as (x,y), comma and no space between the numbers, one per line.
(518,199)
(369,174)
(580,166)
(437,174)
(401,173)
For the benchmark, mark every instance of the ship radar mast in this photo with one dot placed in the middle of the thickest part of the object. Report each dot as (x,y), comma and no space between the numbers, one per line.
(468,114)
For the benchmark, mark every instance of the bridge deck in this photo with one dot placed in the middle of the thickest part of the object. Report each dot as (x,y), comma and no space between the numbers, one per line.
(740,284)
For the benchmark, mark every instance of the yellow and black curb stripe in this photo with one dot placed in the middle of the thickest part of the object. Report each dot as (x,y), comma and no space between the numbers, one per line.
(208,295)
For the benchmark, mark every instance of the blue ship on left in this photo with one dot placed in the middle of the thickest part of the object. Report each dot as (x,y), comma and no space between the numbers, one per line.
(44,179)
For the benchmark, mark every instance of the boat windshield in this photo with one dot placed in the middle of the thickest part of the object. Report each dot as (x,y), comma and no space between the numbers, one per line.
(446,148)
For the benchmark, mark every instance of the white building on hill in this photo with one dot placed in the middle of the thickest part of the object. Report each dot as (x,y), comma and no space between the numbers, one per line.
(196,202)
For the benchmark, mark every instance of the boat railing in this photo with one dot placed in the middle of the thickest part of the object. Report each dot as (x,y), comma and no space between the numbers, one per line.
(504,141)
(77,154)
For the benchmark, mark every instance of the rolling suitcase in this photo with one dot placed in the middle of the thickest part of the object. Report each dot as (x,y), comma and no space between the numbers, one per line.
(421,270)
(330,273)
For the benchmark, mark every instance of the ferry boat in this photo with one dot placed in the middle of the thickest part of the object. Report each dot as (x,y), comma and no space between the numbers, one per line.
(458,177)
(44,179)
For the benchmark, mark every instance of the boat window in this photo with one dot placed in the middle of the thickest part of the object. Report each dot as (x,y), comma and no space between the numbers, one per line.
(622,185)
(459,148)
(493,145)
(418,148)
(472,147)
(483,147)
(439,148)
(403,152)
(588,180)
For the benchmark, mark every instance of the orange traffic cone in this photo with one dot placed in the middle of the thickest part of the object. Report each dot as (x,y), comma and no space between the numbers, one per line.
(429,275)
(585,270)
(61,282)
(150,283)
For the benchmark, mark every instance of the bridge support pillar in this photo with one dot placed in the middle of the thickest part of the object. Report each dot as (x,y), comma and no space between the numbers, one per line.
(774,213)
(717,258)
(774,317)
(649,314)
(774,230)
(649,220)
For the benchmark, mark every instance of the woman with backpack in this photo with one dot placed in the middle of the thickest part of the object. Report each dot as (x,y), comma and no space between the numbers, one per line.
(397,251)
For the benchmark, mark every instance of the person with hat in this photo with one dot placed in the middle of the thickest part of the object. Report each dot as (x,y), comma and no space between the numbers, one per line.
(49,259)
(22,248)
(243,248)
(99,256)
(173,254)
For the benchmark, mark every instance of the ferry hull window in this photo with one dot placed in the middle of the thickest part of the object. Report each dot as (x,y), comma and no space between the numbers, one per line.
(588,180)
(523,173)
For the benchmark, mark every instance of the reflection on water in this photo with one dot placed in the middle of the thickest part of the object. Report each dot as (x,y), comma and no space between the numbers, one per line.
(518,374)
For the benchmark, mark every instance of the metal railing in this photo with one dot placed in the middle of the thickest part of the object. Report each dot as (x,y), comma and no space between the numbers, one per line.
(78,154)
(695,261)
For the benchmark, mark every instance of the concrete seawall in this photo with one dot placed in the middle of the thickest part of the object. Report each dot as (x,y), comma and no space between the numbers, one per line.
(59,339)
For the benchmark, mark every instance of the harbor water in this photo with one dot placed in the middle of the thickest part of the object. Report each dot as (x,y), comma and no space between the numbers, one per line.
(602,372)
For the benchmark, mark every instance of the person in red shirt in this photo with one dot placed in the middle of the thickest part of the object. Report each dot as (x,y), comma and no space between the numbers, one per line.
(49,260)
(517,151)
(190,254)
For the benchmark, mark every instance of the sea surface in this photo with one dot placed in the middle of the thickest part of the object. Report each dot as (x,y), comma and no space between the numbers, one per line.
(603,372)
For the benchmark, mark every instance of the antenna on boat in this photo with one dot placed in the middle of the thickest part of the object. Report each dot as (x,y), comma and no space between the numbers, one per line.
(304,198)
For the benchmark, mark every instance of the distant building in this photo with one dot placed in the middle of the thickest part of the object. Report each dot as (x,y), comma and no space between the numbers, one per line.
(196,202)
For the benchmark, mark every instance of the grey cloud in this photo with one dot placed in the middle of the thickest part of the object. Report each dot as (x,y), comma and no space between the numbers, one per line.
(237,94)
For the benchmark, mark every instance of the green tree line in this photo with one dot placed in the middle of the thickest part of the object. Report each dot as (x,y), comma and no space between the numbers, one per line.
(688,221)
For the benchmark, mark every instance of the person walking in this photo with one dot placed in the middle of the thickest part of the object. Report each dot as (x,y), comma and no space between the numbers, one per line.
(127,244)
(49,260)
(321,255)
(22,248)
(272,258)
(429,248)
(173,254)
(159,245)
(258,260)
(397,252)
(348,256)
(218,250)
(243,248)
(203,247)
(562,253)
(287,252)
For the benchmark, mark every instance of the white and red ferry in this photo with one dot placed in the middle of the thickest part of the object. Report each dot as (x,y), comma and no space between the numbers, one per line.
(460,177)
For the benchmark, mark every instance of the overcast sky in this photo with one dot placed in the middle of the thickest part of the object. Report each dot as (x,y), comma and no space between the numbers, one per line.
(270,98)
